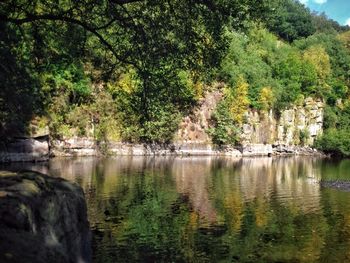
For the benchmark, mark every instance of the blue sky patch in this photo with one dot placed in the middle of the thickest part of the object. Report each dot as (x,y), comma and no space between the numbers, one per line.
(338,10)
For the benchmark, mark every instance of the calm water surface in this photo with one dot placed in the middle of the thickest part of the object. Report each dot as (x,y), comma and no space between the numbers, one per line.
(202,209)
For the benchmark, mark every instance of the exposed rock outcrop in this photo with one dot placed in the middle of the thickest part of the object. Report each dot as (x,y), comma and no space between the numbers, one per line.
(263,133)
(119,148)
(193,128)
(292,131)
(76,146)
(295,126)
(25,149)
(42,219)
(256,149)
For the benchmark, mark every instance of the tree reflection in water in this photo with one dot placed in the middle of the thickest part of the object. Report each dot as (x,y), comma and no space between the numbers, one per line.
(213,209)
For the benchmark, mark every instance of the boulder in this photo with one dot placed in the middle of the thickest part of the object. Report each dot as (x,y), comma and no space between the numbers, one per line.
(256,149)
(42,219)
(25,149)
(76,146)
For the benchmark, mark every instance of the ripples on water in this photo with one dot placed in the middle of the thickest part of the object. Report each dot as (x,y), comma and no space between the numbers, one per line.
(202,209)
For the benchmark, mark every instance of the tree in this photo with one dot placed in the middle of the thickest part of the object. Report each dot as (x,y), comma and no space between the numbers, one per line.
(290,20)
(317,56)
(338,54)
(266,98)
(322,23)
(317,69)
(345,38)
(157,39)
(228,116)
(238,100)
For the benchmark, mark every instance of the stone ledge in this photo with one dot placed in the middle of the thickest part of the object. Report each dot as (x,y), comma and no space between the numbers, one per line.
(25,150)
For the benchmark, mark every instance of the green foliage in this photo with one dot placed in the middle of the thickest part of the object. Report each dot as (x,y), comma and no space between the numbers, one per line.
(345,38)
(224,132)
(335,141)
(237,100)
(290,20)
(336,138)
(339,56)
(129,70)
(20,96)
(266,99)
(162,124)
(249,57)
(289,70)
(229,113)
(68,79)
(304,136)
(285,70)
(326,25)
(330,117)
(61,50)
(318,57)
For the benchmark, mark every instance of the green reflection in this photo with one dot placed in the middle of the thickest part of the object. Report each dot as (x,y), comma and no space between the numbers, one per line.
(213,210)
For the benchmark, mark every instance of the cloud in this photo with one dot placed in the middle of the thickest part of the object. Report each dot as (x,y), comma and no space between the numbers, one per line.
(320,2)
(347,22)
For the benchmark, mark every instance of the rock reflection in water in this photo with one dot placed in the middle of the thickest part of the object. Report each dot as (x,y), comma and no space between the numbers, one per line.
(205,209)
(293,181)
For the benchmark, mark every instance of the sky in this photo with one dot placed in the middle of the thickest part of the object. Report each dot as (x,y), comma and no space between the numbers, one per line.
(338,10)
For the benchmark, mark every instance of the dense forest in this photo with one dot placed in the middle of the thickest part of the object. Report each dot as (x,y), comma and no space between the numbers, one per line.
(128,70)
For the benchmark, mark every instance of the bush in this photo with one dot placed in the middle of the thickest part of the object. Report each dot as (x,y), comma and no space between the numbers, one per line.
(304,136)
(335,142)
(224,131)
(330,117)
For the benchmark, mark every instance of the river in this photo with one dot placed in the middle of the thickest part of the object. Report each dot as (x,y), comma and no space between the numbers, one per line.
(205,209)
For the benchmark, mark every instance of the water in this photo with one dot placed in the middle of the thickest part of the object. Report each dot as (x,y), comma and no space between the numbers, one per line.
(212,209)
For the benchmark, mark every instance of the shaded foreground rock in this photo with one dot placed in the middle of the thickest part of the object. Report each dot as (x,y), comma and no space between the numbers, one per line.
(42,219)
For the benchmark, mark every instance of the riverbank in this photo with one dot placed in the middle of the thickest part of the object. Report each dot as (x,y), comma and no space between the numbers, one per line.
(41,149)
(86,147)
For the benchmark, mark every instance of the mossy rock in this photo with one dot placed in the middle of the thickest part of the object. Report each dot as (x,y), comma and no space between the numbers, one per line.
(42,218)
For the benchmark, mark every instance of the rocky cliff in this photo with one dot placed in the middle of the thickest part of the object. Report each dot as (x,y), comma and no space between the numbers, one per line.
(42,219)
(292,130)
(299,125)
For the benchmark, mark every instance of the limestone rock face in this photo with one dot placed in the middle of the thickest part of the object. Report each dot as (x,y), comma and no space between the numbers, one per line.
(25,149)
(256,149)
(175,149)
(76,146)
(193,128)
(295,126)
(298,125)
(42,219)
(261,133)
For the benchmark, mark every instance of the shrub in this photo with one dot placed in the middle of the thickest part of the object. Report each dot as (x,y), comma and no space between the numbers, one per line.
(335,142)
(224,131)
(304,136)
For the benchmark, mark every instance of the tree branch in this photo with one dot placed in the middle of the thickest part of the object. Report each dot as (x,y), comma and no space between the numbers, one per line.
(52,17)
(123,2)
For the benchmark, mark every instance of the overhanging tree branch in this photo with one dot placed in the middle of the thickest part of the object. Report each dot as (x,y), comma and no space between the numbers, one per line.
(87,27)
